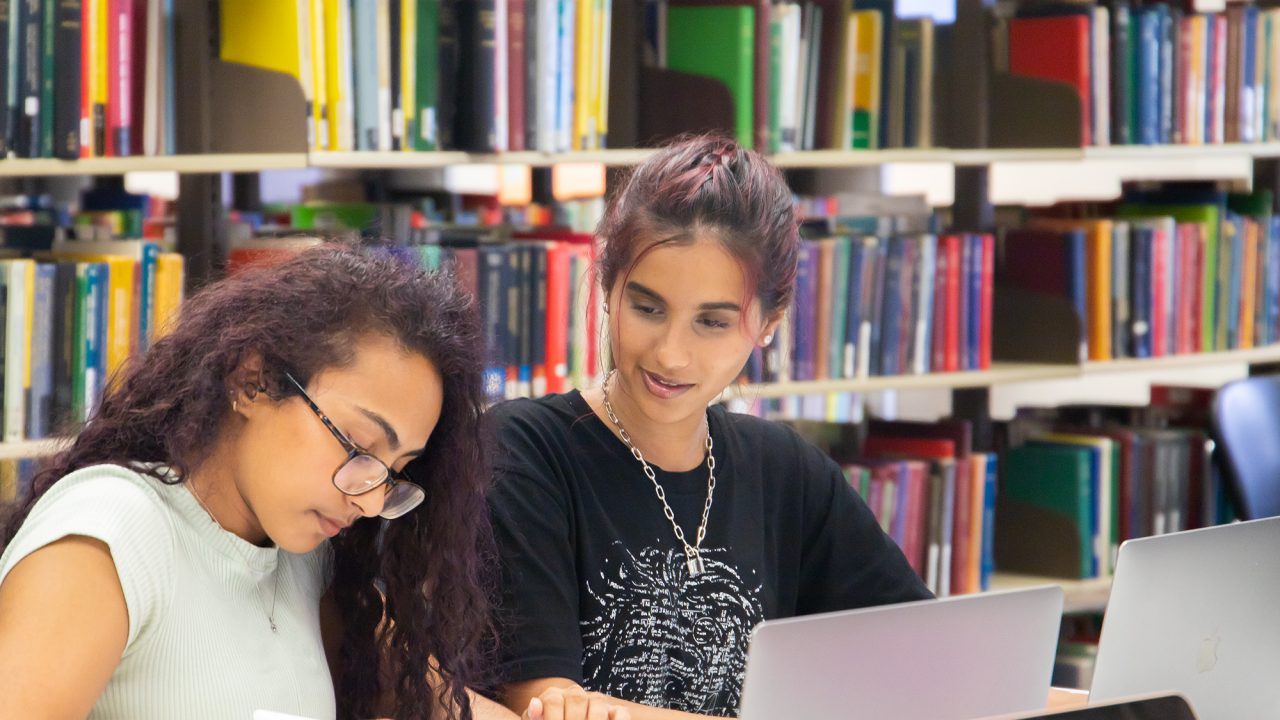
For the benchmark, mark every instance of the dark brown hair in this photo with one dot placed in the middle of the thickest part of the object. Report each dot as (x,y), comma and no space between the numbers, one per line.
(706,184)
(423,572)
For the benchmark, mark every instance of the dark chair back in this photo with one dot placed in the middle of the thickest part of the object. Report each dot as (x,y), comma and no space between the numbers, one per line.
(1246,428)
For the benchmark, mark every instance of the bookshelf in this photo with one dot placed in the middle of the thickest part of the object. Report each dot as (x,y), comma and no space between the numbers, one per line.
(999,373)
(1250,356)
(31,448)
(198,164)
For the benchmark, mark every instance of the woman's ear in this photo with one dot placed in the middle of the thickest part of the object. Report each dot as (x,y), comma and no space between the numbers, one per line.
(245,385)
(766,335)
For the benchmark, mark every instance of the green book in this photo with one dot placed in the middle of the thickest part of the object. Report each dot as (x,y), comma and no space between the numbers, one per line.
(775,84)
(334,216)
(48,21)
(1045,517)
(1209,217)
(427,89)
(79,345)
(717,42)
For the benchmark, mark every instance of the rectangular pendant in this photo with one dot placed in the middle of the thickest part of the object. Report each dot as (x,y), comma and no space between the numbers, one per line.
(695,566)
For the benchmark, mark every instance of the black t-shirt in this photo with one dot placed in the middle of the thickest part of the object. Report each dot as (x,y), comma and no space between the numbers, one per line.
(596,587)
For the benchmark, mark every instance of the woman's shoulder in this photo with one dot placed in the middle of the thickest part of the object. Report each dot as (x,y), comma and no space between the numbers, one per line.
(109,489)
(771,438)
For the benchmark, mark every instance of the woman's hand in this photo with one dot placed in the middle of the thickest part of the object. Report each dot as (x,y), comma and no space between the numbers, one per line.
(573,703)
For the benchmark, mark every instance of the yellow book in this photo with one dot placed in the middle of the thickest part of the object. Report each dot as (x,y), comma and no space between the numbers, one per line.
(604,23)
(261,33)
(101,67)
(337,67)
(583,55)
(8,481)
(408,72)
(866,79)
(170,274)
(122,288)
(319,76)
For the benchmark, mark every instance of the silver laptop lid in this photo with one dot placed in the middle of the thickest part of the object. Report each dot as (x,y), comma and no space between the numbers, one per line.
(951,659)
(1197,612)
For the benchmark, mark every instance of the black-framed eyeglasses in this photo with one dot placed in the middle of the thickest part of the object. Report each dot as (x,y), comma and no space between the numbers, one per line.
(361,472)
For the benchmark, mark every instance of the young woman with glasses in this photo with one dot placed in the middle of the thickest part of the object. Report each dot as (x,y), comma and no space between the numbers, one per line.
(643,533)
(282,498)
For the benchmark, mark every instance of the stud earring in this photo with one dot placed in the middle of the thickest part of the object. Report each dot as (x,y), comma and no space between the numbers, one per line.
(767,340)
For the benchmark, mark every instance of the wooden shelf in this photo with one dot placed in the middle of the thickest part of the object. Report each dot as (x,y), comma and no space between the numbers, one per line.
(1000,373)
(31,448)
(1269,353)
(419,160)
(195,164)
(368,160)
(1080,596)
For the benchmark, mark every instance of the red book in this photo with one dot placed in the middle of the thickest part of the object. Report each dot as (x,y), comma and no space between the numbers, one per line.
(1159,277)
(1055,48)
(138,64)
(986,307)
(1188,237)
(516,20)
(961,527)
(120,80)
(915,475)
(1196,288)
(87,148)
(558,310)
(938,342)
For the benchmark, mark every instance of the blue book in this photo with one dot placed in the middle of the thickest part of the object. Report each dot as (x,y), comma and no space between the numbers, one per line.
(902,482)
(891,310)
(492,261)
(972,329)
(1250,97)
(988,563)
(1168,40)
(40,399)
(364,33)
(1233,287)
(1142,288)
(565,78)
(1272,294)
(858,252)
(95,335)
(1147,72)
(147,295)
(926,287)
(806,316)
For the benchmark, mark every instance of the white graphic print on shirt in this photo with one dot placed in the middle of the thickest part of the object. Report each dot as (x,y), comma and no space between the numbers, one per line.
(658,637)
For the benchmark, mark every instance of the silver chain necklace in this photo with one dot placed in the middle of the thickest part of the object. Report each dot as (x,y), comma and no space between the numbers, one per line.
(275,584)
(692,553)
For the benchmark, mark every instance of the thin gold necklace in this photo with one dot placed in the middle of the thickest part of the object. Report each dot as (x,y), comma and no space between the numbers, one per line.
(275,574)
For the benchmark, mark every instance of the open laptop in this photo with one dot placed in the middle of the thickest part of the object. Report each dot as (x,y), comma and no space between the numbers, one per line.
(1197,612)
(1168,706)
(951,659)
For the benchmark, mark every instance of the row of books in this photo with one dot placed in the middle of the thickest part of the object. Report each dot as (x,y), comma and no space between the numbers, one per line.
(479,75)
(1078,481)
(1150,73)
(934,496)
(1162,273)
(15,479)
(71,319)
(86,78)
(538,307)
(869,306)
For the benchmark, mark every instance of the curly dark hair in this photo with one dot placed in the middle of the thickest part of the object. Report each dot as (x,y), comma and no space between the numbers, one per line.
(424,573)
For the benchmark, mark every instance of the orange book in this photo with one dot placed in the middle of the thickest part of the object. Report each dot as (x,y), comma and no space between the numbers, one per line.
(1248,283)
(977,510)
(826,266)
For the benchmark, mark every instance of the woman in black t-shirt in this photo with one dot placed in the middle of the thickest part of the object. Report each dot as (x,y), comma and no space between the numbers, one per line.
(644,534)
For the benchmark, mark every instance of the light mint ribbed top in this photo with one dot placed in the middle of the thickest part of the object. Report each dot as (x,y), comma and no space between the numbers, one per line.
(200,644)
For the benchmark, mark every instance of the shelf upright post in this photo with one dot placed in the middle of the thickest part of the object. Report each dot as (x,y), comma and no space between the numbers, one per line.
(200,225)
